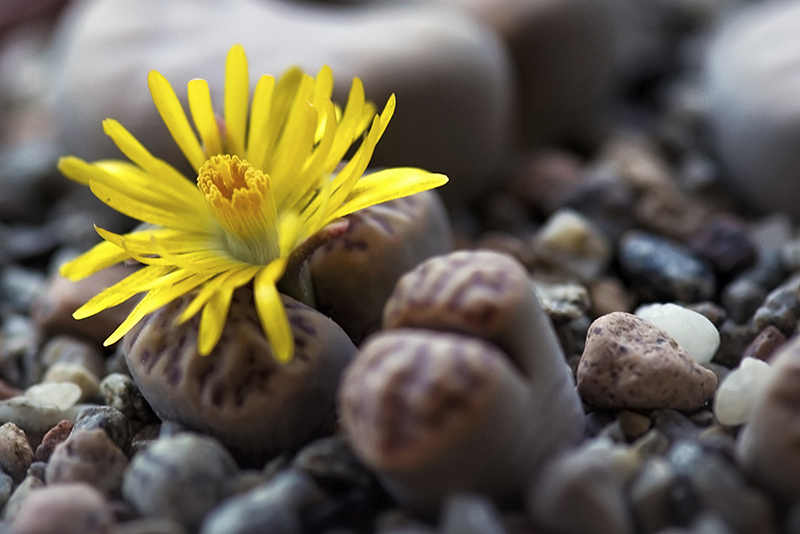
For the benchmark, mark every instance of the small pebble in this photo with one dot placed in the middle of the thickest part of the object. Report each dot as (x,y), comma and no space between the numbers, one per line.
(54,436)
(68,349)
(650,494)
(608,294)
(765,344)
(630,363)
(333,465)
(75,373)
(20,494)
(572,244)
(112,421)
(121,393)
(734,399)
(633,425)
(470,514)
(663,270)
(16,454)
(272,507)
(59,395)
(781,308)
(741,298)
(733,341)
(88,456)
(151,525)
(182,478)
(6,487)
(64,509)
(725,243)
(694,332)
(580,491)
(562,301)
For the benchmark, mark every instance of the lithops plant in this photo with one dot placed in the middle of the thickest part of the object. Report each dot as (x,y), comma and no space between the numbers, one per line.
(354,274)
(239,394)
(435,412)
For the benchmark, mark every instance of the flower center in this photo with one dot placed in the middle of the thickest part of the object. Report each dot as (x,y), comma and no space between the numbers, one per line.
(240,198)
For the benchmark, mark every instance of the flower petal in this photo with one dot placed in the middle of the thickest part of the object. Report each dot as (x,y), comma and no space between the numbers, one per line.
(212,320)
(258,136)
(386,185)
(271,312)
(121,291)
(96,259)
(203,116)
(153,301)
(237,96)
(171,111)
(232,279)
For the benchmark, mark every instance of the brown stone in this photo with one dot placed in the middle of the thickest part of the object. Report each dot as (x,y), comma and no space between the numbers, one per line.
(765,344)
(628,363)
(88,456)
(66,509)
(54,436)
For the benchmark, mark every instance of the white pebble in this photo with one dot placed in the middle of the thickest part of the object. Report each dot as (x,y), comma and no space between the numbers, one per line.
(693,331)
(62,395)
(733,402)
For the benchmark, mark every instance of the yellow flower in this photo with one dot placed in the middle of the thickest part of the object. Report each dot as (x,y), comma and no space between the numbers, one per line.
(263,187)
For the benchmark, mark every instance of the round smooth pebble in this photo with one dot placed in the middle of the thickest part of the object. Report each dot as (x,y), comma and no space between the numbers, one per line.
(693,331)
(65,509)
(75,373)
(88,456)
(629,363)
(733,402)
(181,477)
(112,421)
(61,395)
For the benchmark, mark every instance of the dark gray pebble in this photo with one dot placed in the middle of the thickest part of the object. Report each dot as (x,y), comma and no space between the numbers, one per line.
(181,477)
(470,514)
(663,270)
(333,465)
(273,507)
(725,243)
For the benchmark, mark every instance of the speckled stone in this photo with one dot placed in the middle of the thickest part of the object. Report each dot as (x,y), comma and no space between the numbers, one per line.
(66,509)
(121,393)
(239,394)
(663,270)
(354,274)
(16,454)
(106,418)
(781,308)
(181,478)
(629,363)
(88,456)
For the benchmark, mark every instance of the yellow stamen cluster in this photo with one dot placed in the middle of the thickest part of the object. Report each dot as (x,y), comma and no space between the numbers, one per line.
(239,197)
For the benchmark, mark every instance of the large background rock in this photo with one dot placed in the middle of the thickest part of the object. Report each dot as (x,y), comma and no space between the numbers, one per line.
(450,73)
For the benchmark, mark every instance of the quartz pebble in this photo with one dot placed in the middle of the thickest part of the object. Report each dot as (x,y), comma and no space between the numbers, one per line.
(664,270)
(33,418)
(16,454)
(694,333)
(766,447)
(630,363)
(181,478)
(88,456)
(60,395)
(65,509)
(66,349)
(733,401)
(75,373)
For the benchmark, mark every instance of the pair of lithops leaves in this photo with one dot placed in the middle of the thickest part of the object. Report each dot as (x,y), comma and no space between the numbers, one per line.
(255,406)
(466,388)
